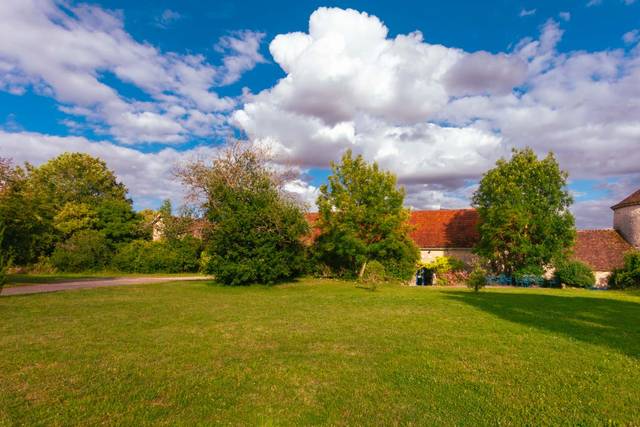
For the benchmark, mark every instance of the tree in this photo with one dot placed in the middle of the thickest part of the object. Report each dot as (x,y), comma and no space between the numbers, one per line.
(25,234)
(77,178)
(362,218)
(523,204)
(256,228)
(118,222)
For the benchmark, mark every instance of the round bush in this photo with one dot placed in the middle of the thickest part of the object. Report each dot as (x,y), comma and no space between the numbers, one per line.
(576,274)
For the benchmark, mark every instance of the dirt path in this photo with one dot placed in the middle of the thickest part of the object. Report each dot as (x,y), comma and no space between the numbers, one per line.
(93,283)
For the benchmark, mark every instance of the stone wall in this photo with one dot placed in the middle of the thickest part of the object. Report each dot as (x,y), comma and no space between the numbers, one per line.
(627,221)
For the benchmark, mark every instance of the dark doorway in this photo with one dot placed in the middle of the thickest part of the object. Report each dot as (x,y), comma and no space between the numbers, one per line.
(424,277)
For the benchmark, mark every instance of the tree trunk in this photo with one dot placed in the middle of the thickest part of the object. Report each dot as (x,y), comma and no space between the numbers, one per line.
(364,266)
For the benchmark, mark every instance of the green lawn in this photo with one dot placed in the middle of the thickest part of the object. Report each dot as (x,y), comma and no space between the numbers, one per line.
(320,352)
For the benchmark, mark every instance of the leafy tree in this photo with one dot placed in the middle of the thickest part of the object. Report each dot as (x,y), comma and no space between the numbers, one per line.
(74,217)
(362,218)
(257,229)
(25,233)
(118,222)
(525,220)
(77,178)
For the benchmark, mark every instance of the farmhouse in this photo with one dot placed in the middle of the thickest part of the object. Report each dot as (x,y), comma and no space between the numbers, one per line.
(454,233)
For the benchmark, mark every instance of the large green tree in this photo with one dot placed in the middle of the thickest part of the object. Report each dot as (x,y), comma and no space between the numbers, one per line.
(256,229)
(45,205)
(362,218)
(525,220)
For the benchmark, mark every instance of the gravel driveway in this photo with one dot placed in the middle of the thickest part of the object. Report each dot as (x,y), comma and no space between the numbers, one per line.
(94,283)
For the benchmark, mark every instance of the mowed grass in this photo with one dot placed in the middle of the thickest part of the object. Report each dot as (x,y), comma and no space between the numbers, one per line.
(320,352)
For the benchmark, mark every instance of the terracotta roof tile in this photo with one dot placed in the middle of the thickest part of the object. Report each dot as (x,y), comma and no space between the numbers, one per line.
(633,199)
(450,228)
(602,250)
(447,228)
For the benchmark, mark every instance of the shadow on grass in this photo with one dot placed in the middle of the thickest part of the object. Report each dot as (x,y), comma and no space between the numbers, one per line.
(604,322)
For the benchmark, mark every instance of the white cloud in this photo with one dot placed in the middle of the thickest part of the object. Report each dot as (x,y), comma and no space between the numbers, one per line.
(525,12)
(631,37)
(242,50)
(439,116)
(65,52)
(565,16)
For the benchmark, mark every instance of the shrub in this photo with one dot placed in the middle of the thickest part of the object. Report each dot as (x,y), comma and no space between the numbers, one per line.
(448,270)
(86,250)
(575,273)
(374,273)
(477,279)
(629,275)
(141,256)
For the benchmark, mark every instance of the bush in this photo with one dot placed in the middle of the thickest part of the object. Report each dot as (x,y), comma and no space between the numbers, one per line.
(448,270)
(629,275)
(4,261)
(477,279)
(86,250)
(575,273)
(374,273)
(141,256)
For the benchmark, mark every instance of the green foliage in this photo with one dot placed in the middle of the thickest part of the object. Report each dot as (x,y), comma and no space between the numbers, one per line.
(45,205)
(361,219)
(118,222)
(524,213)
(627,277)
(77,178)
(74,217)
(86,250)
(575,273)
(257,230)
(142,256)
(477,279)
(374,274)
(442,264)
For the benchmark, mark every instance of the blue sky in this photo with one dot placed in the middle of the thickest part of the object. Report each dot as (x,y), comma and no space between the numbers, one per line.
(435,91)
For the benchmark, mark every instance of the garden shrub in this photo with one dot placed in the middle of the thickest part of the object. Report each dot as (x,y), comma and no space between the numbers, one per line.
(477,279)
(142,256)
(374,274)
(86,250)
(629,275)
(575,273)
(448,271)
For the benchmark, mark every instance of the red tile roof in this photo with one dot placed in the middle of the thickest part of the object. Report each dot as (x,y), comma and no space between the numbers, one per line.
(602,250)
(632,200)
(447,228)
(450,228)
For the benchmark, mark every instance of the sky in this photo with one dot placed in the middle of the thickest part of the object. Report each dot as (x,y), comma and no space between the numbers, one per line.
(434,91)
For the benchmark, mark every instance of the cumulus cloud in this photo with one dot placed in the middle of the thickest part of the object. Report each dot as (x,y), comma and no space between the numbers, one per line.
(525,12)
(65,52)
(439,116)
(148,176)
